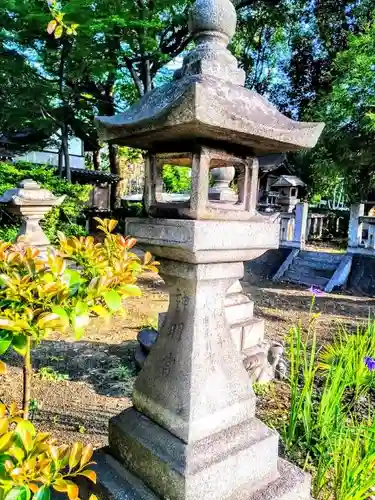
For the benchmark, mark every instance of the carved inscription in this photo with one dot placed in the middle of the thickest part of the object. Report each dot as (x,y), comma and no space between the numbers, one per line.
(182,301)
(169,362)
(175,331)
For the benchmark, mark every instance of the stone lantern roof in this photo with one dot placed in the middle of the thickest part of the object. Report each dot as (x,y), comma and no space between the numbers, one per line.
(207,100)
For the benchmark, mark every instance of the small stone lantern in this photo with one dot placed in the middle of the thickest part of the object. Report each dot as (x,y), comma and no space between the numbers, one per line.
(30,202)
(192,433)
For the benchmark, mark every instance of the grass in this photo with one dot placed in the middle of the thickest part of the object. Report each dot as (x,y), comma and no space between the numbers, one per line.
(325,433)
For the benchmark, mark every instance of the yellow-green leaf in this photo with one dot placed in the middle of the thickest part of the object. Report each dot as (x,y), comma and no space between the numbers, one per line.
(59,31)
(3,368)
(75,455)
(5,441)
(19,344)
(9,325)
(17,453)
(49,320)
(90,474)
(51,26)
(147,258)
(63,315)
(131,290)
(26,432)
(101,311)
(72,490)
(4,424)
(113,300)
(86,454)
(3,410)
(18,493)
(60,485)
(44,493)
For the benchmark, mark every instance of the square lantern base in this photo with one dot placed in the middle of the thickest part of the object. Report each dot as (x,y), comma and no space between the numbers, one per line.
(115,482)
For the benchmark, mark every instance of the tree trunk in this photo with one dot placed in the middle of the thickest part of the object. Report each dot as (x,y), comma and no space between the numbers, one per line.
(27,376)
(65,148)
(60,166)
(115,169)
(96,159)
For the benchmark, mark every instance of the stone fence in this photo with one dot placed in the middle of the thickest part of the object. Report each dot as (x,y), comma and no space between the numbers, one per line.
(303,225)
(361,231)
(294,227)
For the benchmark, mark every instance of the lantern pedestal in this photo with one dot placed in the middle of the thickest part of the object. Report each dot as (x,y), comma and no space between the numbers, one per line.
(192,433)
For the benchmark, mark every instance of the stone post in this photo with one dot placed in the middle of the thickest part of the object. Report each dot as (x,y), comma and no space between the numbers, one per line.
(302,211)
(355,228)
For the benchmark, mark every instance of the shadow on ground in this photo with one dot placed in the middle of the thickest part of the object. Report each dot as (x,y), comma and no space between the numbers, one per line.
(109,368)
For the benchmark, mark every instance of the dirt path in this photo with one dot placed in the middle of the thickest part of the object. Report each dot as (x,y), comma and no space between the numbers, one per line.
(98,372)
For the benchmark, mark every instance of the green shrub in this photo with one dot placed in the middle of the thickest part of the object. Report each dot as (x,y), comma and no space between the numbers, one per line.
(9,233)
(176,179)
(68,217)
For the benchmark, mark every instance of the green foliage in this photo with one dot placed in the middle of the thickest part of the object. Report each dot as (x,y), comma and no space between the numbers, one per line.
(9,233)
(346,150)
(176,179)
(48,373)
(124,44)
(68,218)
(353,348)
(33,466)
(323,431)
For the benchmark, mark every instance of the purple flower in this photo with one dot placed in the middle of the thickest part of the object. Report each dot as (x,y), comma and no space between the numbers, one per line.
(370,363)
(317,292)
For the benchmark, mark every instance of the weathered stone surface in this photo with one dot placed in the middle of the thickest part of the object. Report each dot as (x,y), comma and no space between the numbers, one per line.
(174,469)
(198,241)
(220,189)
(192,433)
(117,483)
(203,107)
(140,356)
(194,350)
(253,333)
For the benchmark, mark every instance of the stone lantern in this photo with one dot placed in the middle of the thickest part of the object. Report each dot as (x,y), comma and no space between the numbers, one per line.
(192,433)
(31,202)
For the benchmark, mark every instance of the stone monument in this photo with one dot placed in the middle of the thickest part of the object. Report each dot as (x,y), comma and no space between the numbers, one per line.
(30,202)
(192,433)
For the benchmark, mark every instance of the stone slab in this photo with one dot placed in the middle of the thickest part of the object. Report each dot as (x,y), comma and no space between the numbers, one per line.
(236,334)
(228,460)
(253,333)
(205,241)
(238,307)
(115,482)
